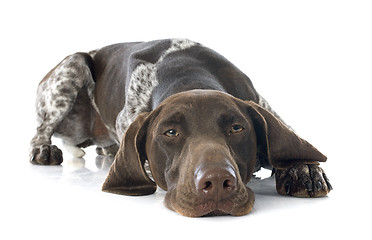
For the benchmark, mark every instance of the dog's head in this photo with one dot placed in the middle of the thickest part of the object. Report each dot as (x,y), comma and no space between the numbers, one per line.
(202,147)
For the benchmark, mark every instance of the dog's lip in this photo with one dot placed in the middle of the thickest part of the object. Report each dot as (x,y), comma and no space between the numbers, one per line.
(204,210)
(216,209)
(210,207)
(199,210)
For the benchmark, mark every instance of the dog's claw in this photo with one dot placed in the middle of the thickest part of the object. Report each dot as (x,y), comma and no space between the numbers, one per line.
(329,185)
(288,188)
(32,158)
(319,185)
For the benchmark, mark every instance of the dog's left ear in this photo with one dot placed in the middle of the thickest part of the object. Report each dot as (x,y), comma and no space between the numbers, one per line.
(278,144)
(127,175)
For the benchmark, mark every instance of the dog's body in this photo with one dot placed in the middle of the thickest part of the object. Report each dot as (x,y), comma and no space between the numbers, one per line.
(193,115)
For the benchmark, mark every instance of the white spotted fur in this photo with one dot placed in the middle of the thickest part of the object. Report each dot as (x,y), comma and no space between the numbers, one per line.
(73,150)
(263,103)
(52,104)
(144,75)
(142,83)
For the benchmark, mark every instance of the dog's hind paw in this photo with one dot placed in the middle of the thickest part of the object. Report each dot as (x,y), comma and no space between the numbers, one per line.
(46,155)
(304,180)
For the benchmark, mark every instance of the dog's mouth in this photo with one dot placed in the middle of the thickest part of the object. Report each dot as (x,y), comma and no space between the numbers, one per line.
(216,212)
(187,204)
(196,199)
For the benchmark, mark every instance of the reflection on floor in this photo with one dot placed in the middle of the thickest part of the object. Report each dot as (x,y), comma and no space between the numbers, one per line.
(68,198)
(90,175)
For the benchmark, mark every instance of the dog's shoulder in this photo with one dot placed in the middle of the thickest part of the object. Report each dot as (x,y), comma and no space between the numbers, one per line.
(151,51)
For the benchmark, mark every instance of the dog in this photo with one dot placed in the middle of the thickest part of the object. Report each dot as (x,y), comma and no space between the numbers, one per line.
(184,110)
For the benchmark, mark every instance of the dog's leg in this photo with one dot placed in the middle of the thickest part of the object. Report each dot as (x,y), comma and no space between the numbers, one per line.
(56,96)
(295,160)
(74,150)
(302,180)
(107,151)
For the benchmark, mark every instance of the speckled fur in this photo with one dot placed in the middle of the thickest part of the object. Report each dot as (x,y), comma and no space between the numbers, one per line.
(302,181)
(57,93)
(263,103)
(142,83)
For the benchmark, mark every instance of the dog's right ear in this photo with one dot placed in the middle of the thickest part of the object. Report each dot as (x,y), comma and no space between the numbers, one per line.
(277,144)
(127,175)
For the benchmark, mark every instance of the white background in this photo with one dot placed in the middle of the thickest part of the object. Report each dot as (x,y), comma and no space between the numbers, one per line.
(310,59)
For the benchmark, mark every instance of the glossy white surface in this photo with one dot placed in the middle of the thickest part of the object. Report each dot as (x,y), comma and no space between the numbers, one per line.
(65,201)
(311,61)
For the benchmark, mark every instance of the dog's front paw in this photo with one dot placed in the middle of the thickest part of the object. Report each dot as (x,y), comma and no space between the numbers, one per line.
(303,180)
(46,155)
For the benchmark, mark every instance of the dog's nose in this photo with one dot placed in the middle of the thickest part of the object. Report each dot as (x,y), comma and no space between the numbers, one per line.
(215,183)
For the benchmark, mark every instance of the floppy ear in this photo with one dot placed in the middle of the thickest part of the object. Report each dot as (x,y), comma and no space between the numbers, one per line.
(278,144)
(127,175)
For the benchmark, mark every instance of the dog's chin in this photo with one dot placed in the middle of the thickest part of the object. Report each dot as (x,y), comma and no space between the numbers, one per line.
(216,212)
(210,208)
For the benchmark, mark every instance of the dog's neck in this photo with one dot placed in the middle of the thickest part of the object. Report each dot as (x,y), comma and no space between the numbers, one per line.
(190,79)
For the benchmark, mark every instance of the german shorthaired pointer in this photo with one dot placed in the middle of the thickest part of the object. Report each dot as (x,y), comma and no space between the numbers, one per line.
(184,110)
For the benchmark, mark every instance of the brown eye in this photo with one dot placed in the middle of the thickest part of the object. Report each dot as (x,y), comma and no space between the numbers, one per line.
(236,128)
(171,133)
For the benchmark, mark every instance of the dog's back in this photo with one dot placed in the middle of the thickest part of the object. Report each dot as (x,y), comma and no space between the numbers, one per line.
(92,98)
